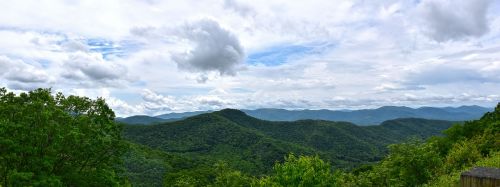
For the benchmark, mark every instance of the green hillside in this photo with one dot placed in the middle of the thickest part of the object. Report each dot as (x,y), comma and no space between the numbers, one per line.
(438,161)
(211,135)
(252,146)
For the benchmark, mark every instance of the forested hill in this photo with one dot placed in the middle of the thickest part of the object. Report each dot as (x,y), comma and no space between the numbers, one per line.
(252,145)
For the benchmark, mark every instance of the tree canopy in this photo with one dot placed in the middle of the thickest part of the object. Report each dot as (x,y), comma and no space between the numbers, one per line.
(49,139)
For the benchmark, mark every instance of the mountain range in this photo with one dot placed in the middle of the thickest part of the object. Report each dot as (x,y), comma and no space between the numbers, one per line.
(192,146)
(358,117)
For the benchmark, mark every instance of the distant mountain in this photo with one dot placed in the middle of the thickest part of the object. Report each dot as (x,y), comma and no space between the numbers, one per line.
(252,145)
(373,116)
(143,120)
(468,109)
(181,115)
(148,120)
(359,117)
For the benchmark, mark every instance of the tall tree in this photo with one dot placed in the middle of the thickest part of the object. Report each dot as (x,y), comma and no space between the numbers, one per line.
(53,140)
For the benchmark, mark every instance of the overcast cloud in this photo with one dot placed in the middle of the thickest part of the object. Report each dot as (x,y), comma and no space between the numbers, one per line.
(452,20)
(153,57)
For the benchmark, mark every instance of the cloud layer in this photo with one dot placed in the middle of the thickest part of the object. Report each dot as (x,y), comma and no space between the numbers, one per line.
(451,20)
(151,57)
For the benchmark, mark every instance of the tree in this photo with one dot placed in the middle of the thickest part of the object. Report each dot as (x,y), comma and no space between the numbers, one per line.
(300,171)
(53,140)
(229,177)
(408,164)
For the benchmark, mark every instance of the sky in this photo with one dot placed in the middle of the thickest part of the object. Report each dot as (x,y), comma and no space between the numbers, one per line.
(161,56)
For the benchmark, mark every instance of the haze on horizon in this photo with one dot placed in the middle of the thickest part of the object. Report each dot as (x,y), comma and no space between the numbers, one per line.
(154,57)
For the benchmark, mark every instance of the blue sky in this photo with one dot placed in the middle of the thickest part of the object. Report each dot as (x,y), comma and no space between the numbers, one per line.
(282,53)
(153,57)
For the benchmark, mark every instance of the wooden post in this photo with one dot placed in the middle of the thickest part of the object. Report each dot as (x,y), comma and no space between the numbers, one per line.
(481,177)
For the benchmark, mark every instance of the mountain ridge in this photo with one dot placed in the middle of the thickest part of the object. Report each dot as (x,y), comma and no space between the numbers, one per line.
(359,117)
(231,131)
(252,145)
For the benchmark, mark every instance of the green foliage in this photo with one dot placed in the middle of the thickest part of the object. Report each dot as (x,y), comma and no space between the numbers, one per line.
(462,154)
(212,138)
(229,177)
(300,171)
(146,166)
(54,140)
(218,136)
(248,145)
(452,178)
(252,146)
(198,175)
(48,140)
(439,161)
(408,164)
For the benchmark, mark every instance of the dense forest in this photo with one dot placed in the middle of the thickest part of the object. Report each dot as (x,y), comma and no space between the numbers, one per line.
(252,146)
(49,139)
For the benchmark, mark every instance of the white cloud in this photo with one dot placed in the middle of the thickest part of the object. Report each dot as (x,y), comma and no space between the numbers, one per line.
(239,7)
(453,20)
(215,48)
(75,45)
(366,53)
(157,102)
(82,66)
(21,75)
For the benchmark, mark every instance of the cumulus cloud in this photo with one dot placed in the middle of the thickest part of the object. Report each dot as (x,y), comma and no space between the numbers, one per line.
(92,67)
(19,75)
(216,49)
(413,100)
(446,99)
(378,55)
(122,108)
(212,101)
(203,78)
(387,87)
(75,45)
(467,68)
(157,102)
(17,70)
(453,20)
(442,74)
(28,75)
(238,7)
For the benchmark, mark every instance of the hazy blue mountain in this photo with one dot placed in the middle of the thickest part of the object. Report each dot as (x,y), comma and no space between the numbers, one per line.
(143,120)
(147,120)
(468,109)
(359,117)
(181,115)
(373,116)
